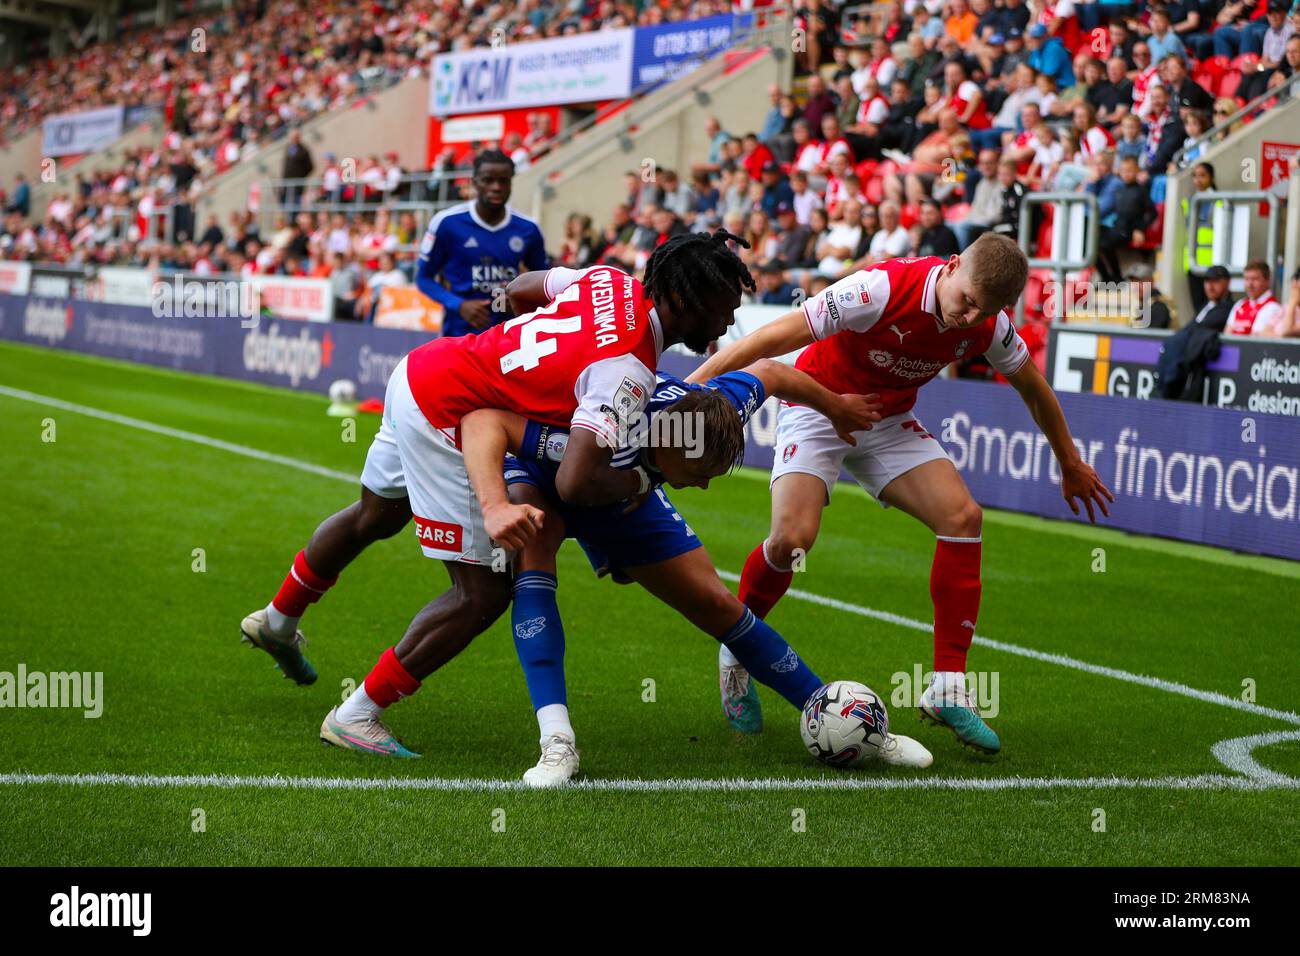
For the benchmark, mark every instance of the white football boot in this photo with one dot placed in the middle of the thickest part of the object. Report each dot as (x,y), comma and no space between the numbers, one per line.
(900,751)
(557,766)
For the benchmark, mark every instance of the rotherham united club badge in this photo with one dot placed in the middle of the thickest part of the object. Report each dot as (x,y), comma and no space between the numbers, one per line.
(790,449)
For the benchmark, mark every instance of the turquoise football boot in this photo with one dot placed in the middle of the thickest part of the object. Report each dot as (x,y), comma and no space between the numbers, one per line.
(956,711)
(739,698)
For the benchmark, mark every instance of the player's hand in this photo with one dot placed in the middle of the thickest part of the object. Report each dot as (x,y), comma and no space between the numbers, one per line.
(513,526)
(1078,480)
(856,413)
(477,312)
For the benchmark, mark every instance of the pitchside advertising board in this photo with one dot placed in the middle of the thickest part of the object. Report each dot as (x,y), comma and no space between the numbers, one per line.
(1211,475)
(1252,374)
(1178,470)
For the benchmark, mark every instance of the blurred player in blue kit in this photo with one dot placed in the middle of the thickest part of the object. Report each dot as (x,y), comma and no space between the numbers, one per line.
(473,249)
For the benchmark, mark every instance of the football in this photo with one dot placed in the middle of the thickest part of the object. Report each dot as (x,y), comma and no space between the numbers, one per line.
(844,723)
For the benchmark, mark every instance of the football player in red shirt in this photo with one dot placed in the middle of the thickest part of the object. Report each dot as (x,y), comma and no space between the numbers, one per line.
(585,361)
(888,330)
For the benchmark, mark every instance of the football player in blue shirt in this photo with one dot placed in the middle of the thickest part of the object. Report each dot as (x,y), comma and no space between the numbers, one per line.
(647,541)
(473,249)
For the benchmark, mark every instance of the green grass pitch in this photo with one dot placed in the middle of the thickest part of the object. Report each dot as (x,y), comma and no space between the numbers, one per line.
(1098,674)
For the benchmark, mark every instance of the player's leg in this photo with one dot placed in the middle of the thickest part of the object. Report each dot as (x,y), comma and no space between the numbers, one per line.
(381,512)
(933,492)
(449,527)
(689,584)
(441,630)
(808,460)
(539,640)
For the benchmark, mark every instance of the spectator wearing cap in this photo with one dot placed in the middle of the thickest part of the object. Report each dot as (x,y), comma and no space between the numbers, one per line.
(776,190)
(773,289)
(1218,303)
(791,237)
(1048,55)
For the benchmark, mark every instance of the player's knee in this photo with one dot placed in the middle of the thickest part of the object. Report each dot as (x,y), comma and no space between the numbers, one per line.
(967,521)
(786,545)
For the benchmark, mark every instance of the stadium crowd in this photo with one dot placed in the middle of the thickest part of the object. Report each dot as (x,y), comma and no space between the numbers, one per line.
(913,127)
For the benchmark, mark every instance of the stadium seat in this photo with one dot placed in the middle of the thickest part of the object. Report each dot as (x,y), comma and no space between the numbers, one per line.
(1229,82)
(957,212)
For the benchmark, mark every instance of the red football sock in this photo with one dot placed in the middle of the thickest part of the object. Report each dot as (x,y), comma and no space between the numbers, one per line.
(955,590)
(761,584)
(302,587)
(389,681)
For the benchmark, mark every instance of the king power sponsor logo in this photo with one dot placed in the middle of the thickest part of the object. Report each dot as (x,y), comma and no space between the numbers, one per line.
(295,358)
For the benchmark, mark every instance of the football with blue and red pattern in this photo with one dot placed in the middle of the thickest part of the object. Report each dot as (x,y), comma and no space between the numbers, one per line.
(844,723)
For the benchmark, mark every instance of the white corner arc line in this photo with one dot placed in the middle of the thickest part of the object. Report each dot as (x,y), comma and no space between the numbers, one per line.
(666,785)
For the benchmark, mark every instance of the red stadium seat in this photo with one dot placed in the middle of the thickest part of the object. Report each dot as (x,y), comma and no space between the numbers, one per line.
(956,213)
(1246,62)
(1229,83)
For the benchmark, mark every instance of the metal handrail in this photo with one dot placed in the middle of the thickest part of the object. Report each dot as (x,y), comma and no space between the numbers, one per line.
(1231,199)
(1091,236)
(1209,135)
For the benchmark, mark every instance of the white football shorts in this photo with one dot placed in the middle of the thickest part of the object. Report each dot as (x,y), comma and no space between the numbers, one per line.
(410,458)
(806,443)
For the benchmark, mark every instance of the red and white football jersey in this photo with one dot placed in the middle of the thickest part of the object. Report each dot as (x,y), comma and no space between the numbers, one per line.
(878,331)
(1253,316)
(586,360)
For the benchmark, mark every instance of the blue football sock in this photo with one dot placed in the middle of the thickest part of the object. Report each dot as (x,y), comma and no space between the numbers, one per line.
(539,637)
(770,660)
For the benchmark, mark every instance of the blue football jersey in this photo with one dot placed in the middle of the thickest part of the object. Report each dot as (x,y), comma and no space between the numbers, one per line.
(462,257)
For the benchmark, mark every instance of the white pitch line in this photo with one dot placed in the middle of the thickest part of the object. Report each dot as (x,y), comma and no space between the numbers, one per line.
(679,785)
(1232,750)
(1171,687)
(144,426)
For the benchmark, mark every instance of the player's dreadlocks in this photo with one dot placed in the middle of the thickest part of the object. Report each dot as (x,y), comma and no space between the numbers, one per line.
(688,270)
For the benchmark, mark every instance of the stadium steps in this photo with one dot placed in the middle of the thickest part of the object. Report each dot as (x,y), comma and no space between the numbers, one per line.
(395,119)
(664,127)
(1238,163)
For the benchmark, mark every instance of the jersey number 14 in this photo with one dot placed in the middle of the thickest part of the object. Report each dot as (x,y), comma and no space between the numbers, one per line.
(531,349)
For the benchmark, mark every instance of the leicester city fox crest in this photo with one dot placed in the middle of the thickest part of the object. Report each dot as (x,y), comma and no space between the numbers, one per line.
(530,628)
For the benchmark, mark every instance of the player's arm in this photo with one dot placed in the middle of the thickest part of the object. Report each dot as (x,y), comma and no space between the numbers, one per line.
(779,337)
(587,479)
(853,304)
(529,291)
(848,413)
(433,259)
(485,436)
(1078,479)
